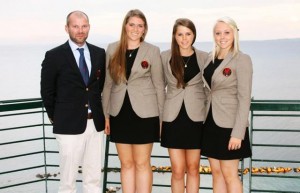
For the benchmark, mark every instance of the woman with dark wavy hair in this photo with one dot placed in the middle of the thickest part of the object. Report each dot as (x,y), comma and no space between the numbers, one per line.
(184,107)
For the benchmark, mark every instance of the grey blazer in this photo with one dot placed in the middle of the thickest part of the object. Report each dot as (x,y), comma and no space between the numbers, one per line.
(145,86)
(230,96)
(192,95)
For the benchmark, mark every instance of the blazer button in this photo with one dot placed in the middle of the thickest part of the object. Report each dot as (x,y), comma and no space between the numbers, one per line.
(86,105)
(87,89)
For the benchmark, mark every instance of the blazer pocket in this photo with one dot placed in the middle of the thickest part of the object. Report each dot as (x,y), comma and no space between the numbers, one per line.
(233,101)
(149,91)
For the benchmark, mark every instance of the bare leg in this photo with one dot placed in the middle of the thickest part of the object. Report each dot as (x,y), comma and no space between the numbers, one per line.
(143,171)
(193,178)
(128,177)
(230,173)
(219,185)
(178,165)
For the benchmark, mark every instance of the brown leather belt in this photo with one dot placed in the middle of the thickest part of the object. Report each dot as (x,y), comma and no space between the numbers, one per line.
(89,116)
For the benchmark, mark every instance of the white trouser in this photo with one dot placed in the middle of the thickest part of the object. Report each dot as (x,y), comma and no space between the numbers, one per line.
(85,149)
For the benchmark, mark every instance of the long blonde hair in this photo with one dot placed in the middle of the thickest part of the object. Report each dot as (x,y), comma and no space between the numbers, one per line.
(117,66)
(236,44)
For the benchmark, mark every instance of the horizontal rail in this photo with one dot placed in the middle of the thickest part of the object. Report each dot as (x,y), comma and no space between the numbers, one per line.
(21,127)
(22,155)
(24,113)
(273,145)
(276,105)
(273,191)
(20,184)
(19,100)
(23,169)
(275,161)
(274,176)
(277,130)
(20,106)
(22,141)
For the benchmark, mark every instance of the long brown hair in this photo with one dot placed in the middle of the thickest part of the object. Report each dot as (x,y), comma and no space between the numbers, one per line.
(117,67)
(176,62)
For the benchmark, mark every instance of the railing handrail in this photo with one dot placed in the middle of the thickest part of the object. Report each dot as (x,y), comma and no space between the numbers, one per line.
(275,105)
(20,104)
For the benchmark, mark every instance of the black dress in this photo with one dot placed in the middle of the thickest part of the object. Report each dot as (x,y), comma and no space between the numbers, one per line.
(215,139)
(127,127)
(183,133)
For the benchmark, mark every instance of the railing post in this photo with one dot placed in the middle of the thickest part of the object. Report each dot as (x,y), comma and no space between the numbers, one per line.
(105,164)
(242,169)
(44,144)
(251,141)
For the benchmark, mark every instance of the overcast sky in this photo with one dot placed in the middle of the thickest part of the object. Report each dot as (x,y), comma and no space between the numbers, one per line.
(42,21)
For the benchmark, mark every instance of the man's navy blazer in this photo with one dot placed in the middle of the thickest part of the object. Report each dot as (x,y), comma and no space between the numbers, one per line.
(64,93)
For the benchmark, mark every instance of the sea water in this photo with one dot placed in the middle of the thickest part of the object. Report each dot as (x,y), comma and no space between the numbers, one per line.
(276,76)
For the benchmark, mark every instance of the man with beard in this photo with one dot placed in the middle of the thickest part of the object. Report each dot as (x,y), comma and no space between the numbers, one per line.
(72,79)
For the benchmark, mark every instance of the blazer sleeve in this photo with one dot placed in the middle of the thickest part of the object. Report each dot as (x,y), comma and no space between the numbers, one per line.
(48,83)
(107,84)
(201,58)
(103,69)
(165,57)
(244,73)
(157,76)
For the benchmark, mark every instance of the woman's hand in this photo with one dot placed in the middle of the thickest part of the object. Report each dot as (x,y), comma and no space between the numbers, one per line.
(107,126)
(234,143)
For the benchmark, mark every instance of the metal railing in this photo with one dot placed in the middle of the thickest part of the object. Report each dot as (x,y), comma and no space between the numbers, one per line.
(275,128)
(25,129)
(23,126)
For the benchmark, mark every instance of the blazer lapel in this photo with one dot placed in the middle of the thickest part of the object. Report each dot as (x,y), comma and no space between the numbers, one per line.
(205,84)
(174,80)
(93,63)
(194,78)
(198,59)
(219,71)
(137,62)
(71,59)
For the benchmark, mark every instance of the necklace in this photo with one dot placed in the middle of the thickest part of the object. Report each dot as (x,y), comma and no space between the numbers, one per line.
(131,52)
(185,63)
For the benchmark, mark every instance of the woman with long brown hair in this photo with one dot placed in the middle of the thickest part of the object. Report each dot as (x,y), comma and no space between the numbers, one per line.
(133,99)
(184,108)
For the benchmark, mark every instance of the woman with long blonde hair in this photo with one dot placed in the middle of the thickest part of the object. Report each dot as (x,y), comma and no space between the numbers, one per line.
(228,83)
